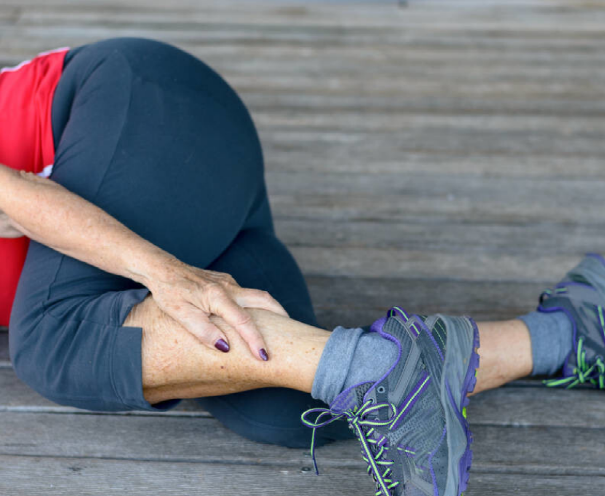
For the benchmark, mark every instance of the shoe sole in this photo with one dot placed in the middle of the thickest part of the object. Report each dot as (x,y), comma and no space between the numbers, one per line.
(459,378)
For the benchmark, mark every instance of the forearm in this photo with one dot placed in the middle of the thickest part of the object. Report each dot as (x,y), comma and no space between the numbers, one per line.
(7,227)
(50,214)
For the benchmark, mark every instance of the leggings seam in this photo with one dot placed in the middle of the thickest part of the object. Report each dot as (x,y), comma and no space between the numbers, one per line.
(56,275)
(115,149)
(111,375)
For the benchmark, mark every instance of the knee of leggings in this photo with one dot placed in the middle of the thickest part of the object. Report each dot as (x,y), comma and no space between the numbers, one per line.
(45,372)
(63,361)
(29,362)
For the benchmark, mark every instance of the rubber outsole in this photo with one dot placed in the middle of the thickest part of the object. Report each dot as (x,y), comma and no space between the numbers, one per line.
(468,387)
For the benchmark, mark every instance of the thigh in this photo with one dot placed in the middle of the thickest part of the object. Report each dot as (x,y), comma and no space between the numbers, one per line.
(160,141)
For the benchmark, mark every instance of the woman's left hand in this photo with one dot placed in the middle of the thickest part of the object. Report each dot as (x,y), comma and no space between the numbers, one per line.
(190,295)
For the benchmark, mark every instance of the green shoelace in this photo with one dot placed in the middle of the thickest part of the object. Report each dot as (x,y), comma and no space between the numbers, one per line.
(379,466)
(584,372)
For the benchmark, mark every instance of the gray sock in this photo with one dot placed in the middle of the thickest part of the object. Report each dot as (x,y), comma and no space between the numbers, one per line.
(351,356)
(551,340)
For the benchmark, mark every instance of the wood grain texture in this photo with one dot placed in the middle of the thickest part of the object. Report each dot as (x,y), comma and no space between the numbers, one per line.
(447,156)
(527,449)
(355,301)
(61,476)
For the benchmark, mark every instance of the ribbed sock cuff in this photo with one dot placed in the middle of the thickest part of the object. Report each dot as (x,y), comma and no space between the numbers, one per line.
(352,356)
(551,340)
(335,363)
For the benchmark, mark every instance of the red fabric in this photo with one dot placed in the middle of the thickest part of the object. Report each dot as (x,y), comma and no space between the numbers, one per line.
(26,143)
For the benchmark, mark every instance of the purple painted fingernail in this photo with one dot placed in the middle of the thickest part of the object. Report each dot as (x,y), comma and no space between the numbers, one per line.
(222,345)
(263,354)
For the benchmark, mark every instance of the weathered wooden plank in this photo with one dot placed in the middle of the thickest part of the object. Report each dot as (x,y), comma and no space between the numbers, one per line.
(544,128)
(314,14)
(452,139)
(424,264)
(287,154)
(352,302)
(546,239)
(519,104)
(9,15)
(497,34)
(397,197)
(526,406)
(32,36)
(530,450)
(30,476)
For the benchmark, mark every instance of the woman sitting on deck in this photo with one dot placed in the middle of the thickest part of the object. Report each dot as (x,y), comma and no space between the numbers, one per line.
(154,207)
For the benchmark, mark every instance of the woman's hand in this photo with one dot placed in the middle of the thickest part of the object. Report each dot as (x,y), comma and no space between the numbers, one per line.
(190,295)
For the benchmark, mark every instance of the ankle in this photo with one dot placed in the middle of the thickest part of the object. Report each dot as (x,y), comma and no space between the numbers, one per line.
(506,353)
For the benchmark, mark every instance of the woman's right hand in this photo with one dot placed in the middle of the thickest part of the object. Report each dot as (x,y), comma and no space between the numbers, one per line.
(191,295)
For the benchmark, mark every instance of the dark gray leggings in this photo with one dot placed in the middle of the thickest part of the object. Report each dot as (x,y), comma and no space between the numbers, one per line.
(158,140)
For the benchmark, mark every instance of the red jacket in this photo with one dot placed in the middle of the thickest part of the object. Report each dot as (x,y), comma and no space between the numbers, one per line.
(26,143)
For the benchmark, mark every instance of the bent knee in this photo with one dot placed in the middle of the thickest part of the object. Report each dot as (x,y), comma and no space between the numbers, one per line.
(78,363)
(59,377)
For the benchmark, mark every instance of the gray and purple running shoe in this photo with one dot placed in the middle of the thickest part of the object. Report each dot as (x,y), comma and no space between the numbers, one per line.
(581,296)
(411,423)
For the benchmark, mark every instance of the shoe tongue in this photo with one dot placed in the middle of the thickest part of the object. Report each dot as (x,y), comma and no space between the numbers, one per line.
(350,397)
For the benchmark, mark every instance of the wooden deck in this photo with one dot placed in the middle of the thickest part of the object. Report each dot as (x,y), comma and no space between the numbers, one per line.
(443,156)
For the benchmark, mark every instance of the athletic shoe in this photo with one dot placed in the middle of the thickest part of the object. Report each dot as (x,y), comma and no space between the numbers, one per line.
(411,423)
(581,296)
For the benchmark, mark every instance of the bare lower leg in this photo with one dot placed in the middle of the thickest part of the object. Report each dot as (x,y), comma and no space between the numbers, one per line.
(505,353)
(176,365)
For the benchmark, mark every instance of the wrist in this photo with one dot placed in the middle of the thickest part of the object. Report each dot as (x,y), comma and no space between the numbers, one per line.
(152,268)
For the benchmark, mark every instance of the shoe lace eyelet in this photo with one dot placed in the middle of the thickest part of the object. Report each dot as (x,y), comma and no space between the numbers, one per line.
(381,389)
